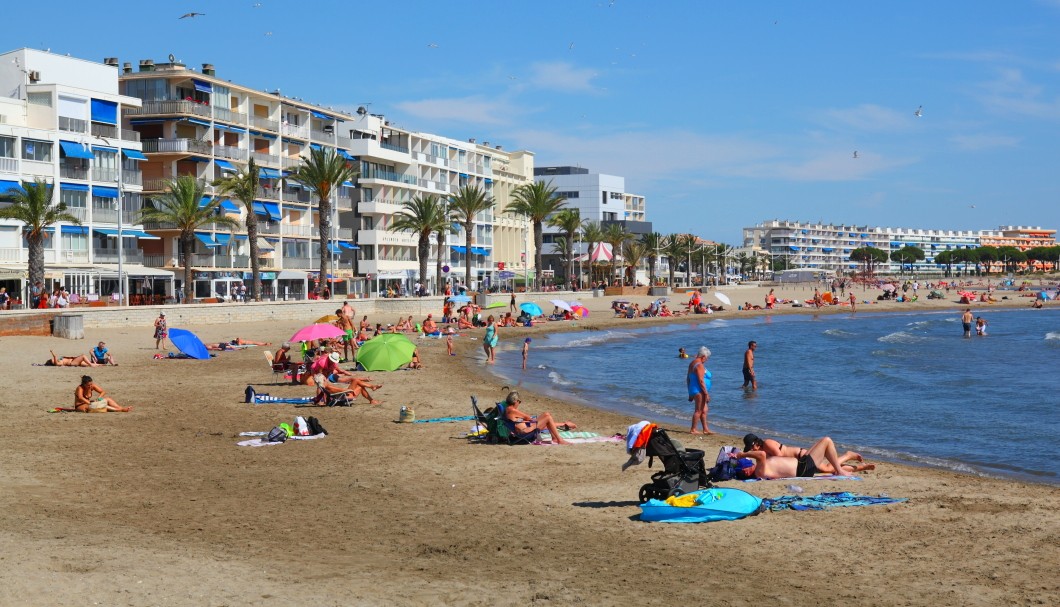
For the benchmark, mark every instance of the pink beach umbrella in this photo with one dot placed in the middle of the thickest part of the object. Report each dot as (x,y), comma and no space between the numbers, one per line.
(317,331)
(581,311)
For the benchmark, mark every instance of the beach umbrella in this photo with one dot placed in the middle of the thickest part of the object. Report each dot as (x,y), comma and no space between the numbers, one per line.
(385,352)
(723,298)
(531,308)
(562,305)
(888,287)
(575,303)
(326,319)
(189,343)
(496,304)
(317,331)
(581,311)
(459,299)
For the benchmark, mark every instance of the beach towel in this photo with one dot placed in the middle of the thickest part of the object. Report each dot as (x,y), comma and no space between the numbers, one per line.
(261,439)
(265,399)
(431,420)
(824,501)
(824,477)
(577,439)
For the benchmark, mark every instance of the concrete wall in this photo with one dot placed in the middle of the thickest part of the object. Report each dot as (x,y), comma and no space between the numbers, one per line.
(33,322)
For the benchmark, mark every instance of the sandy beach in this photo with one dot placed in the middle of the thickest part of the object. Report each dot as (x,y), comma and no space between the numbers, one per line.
(160,507)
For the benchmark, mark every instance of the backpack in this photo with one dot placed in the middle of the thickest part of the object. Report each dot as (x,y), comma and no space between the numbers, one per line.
(314,426)
(277,435)
(725,468)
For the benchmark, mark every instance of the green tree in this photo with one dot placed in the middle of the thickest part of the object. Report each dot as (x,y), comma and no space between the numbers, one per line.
(945,258)
(323,172)
(31,205)
(673,249)
(179,206)
(469,201)
(243,186)
(570,221)
(907,255)
(423,215)
(870,256)
(633,252)
(615,235)
(536,202)
(654,243)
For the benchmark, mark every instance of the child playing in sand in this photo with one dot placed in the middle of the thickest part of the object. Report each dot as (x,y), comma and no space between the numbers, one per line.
(449,342)
(526,351)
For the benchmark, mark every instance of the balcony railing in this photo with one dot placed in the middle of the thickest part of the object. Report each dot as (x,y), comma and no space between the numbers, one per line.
(224,115)
(396,148)
(322,136)
(240,261)
(159,226)
(291,161)
(296,195)
(104,175)
(155,261)
(111,256)
(177,146)
(390,176)
(267,159)
(298,132)
(303,231)
(225,151)
(110,131)
(271,193)
(345,233)
(264,123)
(80,213)
(132,177)
(105,215)
(299,263)
(155,185)
(344,142)
(9,165)
(73,125)
(268,227)
(155,108)
(73,172)
(34,167)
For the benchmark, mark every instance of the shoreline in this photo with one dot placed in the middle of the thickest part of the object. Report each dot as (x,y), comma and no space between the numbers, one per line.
(159,506)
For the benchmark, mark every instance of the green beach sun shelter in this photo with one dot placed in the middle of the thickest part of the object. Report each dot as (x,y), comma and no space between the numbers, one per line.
(385,352)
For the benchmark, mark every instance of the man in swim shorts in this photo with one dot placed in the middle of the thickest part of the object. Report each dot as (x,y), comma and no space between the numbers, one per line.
(820,458)
(749,366)
(966,320)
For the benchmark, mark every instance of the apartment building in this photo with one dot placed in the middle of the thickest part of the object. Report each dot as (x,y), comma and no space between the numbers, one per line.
(828,246)
(60,121)
(195,123)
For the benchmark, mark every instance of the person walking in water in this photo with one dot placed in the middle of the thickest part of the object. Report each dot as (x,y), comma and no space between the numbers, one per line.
(749,366)
(698,383)
(966,320)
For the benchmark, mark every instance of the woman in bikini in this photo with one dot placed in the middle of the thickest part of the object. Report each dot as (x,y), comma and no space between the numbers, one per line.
(85,402)
(524,423)
(69,361)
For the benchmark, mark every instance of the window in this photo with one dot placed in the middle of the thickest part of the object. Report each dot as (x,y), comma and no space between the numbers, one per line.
(41,151)
(74,199)
(44,99)
(366,253)
(616,195)
(147,89)
(74,242)
(570,194)
(7,147)
(105,166)
(367,195)
(367,223)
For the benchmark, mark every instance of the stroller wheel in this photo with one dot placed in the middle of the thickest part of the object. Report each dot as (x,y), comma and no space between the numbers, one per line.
(647,492)
(676,491)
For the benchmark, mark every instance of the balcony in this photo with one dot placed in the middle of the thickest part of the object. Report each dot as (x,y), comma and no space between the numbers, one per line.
(322,136)
(73,125)
(104,215)
(158,108)
(297,132)
(103,175)
(111,256)
(155,261)
(224,115)
(297,230)
(9,165)
(177,146)
(268,227)
(109,131)
(389,176)
(159,226)
(393,148)
(73,256)
(132,177)
(233,153)
(270,193)
(345,233)
(291,162)
(240,261)
(80,213)
(155,185)
(264,123)
(299,263)
(296,195)
(34,167)
(379,207)
(265,159)
(72,171)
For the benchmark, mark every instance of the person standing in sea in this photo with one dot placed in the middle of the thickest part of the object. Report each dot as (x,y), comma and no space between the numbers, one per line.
(966,320)
(698,382)
(749,378)
(489,340)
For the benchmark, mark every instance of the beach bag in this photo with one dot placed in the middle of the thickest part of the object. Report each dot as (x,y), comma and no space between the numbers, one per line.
(301,427)
(277,435)
(314,426)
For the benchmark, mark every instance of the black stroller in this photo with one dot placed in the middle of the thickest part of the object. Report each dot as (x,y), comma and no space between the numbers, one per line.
(683,469)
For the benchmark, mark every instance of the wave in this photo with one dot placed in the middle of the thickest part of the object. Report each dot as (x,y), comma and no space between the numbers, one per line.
(890,353)
(839,333)
(1052,336)
(590,340)
(558,379)
(900,337)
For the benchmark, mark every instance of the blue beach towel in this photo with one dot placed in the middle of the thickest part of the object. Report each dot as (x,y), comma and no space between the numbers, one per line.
(824,501)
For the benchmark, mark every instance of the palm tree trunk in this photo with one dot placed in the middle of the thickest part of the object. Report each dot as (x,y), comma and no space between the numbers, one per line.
(255,266)
(438,265)
(36,259)
(325,233)
(469,238)
(570,259)
(539,242)
(185,249)
(423,249)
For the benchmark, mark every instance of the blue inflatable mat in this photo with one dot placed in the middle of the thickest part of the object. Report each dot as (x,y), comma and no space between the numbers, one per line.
(824,501)
(718,504)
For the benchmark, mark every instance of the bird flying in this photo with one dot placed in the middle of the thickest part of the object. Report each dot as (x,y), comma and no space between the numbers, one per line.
(855,153)
(432,45)
(919,112)
(192,15)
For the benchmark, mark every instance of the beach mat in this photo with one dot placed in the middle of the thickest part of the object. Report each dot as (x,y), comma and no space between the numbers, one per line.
(261,441)
(458,418)
(823,477)
(824,501)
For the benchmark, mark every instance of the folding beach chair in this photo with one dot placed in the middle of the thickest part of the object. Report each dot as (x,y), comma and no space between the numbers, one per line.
(499,430)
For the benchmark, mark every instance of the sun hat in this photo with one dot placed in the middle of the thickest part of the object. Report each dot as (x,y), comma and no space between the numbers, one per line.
(744,463)
(334,357)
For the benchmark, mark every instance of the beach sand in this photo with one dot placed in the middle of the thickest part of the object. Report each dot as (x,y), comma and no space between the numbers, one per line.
(160,507)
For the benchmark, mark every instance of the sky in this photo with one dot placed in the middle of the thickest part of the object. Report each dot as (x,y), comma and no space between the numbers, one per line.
(721,114)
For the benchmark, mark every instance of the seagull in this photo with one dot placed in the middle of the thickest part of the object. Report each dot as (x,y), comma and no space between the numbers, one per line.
(855,153)
(972,206)
(571,47)
(257,5)
(432,45)
(919,112)
(268,33)
(186,15)
(512,78)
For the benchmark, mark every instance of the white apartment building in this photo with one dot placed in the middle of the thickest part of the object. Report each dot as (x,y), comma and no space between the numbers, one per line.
(60,121)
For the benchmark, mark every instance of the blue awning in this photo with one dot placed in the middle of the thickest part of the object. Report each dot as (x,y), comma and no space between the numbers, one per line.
(348,184)
(793,248)
(206,239)
(827,249)
(74,187)
(458,249)
(6,185)
(273,210)
(229,206)
(464,175)
(334,248)
(224,165)
(222,239)
(197,159)
(76,150)
(104,111)
(488,180)
(225,127)
(103,148)
(345,154)
(139,121)
(205,201)
(133,154)
(349,245)
(265,135)
(104,192)
(241,237)
(73,230)
(268,174)
(201,86)
(314,146)
(317,114)
(259,209)
(106,231)
(197,121)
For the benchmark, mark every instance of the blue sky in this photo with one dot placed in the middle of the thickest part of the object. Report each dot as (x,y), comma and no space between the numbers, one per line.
(721,114)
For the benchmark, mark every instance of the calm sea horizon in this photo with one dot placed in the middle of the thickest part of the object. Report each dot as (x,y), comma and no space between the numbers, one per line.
(900,387)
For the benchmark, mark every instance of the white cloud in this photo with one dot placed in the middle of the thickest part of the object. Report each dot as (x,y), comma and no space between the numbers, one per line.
(562,76)
(475,109)
(983,141)
(866,117)
(1012,94)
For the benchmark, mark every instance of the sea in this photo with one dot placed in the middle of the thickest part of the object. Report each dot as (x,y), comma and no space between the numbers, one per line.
(899,387)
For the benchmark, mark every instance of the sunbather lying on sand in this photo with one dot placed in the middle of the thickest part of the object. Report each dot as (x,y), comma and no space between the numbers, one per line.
(354,388)
(820,458)
(69,361)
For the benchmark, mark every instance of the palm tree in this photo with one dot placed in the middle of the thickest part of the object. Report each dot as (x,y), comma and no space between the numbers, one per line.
(424,216)
(323,172)
(31,204)
(615,235)
(536,202)
(653,244)
(443,230)
(244,187)
(469,201)
(673,249)
(633,251)
(591,234)
(570,221)
(179,206)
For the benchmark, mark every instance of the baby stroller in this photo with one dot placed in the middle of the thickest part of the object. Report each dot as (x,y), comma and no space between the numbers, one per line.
(683,469)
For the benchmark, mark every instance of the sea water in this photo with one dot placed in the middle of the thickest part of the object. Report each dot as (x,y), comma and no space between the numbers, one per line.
(898,387)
